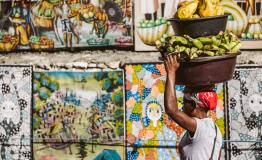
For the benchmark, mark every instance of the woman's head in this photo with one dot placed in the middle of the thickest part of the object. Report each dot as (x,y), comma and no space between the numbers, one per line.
(197,101)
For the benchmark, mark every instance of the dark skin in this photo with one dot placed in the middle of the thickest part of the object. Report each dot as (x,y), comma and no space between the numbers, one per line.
(183,118)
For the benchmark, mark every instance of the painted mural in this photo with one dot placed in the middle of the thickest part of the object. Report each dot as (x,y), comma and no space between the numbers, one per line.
(48,24)
(245,21)
(244,96)
(149,130)
(151,22)
(15,109)
(79,151)
(78,106)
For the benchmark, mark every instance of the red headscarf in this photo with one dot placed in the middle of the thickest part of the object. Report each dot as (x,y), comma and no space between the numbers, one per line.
(205,100)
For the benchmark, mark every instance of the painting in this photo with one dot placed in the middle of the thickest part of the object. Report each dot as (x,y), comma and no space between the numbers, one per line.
(79,151)
(150,133)
(78,106)
(244,99)
(15,109)
(244,21)
(150,21)
(49,24)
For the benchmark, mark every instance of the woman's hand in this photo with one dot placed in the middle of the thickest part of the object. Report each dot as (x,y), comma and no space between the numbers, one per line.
(171,65)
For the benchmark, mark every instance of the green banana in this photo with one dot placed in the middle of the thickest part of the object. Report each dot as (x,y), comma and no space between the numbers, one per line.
(181,49)
(195,42)
(236,48)
(170,49)
(216,41)
(187,51)
(193,50)
(224,46)
(207,47)
(232,44)
(221,51)
(205,40)
(209,53)
(226,38)
(181,40)
(214,47)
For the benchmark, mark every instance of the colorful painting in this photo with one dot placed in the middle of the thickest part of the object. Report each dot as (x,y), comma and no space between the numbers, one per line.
(244,98)
(245,21)
(148,128)
(78,106)
(48,24)
(79,151)
(151,22)
(15,109)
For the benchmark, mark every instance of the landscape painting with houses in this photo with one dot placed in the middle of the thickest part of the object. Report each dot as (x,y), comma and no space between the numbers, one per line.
(78,107)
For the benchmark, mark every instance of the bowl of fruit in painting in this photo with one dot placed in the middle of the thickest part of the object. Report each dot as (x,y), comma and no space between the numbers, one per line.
(149,30)
(7,42)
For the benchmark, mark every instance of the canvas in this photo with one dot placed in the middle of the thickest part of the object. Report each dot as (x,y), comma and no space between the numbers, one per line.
(147,125)
(244,21)
(78,106)
(49,24)
(244,113)
(78,151)
(150,21)
(15,109)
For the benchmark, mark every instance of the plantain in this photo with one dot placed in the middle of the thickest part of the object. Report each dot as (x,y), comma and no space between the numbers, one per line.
(195,42)
(187,51)
(209,53)
(205,40)
(215,41)
(236,48)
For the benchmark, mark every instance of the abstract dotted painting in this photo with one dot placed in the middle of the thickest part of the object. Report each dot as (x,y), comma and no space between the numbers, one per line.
(15,112)
(244,98)
(148,127)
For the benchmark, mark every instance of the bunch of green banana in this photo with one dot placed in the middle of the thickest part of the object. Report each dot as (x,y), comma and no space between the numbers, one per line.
(223,43)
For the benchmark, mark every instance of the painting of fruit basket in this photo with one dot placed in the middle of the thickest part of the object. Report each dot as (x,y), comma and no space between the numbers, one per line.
(245,21)
(150,22)
(48,24)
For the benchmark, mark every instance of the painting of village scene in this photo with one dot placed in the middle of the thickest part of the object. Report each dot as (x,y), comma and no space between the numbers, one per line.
(79,151)
(244,20)
(78,107)
(48,24)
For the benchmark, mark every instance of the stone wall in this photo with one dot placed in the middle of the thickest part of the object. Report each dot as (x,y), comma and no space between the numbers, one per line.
(101,59)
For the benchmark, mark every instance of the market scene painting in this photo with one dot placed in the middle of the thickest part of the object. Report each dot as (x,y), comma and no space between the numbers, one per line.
(78,107)
(48,24)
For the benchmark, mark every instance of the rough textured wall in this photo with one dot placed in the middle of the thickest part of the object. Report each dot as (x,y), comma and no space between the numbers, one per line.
(98,59)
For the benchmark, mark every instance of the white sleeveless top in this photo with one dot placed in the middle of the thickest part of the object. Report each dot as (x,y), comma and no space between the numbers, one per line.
(199,147)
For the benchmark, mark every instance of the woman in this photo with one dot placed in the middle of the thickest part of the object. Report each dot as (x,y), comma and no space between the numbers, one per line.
(202,140)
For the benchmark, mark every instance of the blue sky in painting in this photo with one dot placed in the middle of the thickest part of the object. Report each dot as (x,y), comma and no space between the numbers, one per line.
(60,74)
